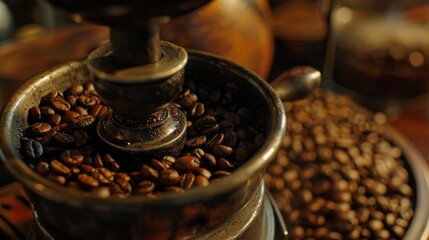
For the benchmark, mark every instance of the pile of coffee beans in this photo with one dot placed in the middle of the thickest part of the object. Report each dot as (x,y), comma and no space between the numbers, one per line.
(61,143)
(337,175)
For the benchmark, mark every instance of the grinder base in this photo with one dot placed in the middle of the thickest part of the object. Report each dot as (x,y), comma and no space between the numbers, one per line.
(256,220)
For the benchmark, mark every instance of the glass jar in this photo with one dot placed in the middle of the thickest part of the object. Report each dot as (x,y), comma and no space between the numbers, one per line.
(379,48)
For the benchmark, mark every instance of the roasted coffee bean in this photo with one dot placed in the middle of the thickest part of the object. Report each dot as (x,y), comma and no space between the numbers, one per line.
(198,152)
(231,139)
(217,139)
(99,110)
(81,110)
(63,139)
(258,141)
(99,175)
(75,89)
(149,173)
(50,97)
(209,159)
(168,161)
(80,138)
(222,151)
(174,189)
(298,232)
(122,175)
(72,99)
(226,126)
(87,168)
(124,185)
(398,231)
(215,95)
(224,164)
(187,101)
(98,161)
(52,149)
(31,149)
(196,110)
(204,172)
(168,177)
(47,111)
(187,180)
(40,128)
(111,163)
(335,176)
(89,88)
(34,115)
(43,168)
(187,164)
(73,184)
(82,121)
(57,178)
(88,101)
(201,181)
(77,158)
(87,181)
(115,189)
(233,118)
(241,154)
(60,104)
(54,119)
(71,158)
(196,142)
(74,171)
(211,130)
(68,116)
(205,123)
(102,192)
(221,173)
(158,165)
(59,168)
(246,114)
(144,187)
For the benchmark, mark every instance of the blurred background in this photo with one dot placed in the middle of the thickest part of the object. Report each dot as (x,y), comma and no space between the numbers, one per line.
(268,36)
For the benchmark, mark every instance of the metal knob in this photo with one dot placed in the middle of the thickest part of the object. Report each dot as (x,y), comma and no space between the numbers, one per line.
(297,83)
(142,121)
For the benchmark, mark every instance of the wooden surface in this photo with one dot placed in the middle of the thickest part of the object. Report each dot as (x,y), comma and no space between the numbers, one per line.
(23,59)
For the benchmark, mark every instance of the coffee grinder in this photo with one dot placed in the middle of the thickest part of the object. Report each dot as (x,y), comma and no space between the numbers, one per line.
(137,69)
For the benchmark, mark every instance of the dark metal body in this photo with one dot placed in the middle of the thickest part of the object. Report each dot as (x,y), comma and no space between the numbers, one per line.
(195,212)
(255,220)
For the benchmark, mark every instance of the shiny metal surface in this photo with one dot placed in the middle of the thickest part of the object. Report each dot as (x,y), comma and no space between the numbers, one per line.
(296,83)
(102,64)
(194,212)
(143,121)
(254,221)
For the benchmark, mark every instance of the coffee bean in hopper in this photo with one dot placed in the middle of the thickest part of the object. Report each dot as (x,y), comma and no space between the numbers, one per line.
(61,143)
